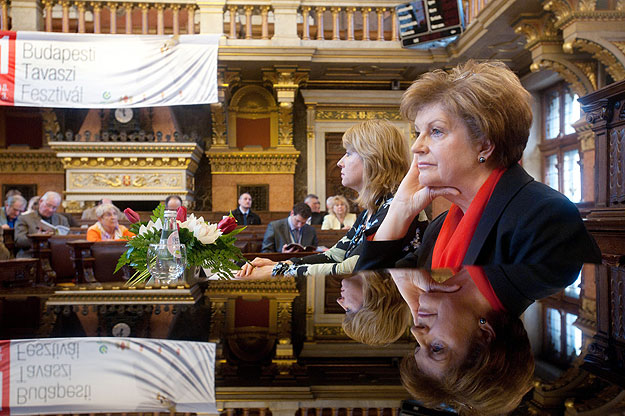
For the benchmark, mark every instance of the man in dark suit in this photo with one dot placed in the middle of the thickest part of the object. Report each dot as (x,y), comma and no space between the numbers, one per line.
(292,229)
(243,214)
(316,217)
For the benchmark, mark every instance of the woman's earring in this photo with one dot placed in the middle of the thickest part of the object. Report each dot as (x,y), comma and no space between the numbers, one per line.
(482,321)
(481,159)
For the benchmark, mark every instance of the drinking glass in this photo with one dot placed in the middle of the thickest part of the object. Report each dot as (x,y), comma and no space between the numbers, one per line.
(164,266)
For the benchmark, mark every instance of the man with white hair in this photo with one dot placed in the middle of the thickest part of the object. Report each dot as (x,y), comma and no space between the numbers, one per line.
(15,205)
(32,223)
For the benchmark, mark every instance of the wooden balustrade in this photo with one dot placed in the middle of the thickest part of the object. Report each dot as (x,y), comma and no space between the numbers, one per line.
(348,23)
(117,17)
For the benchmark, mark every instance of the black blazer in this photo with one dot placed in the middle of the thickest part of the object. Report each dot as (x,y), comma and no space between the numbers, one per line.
(279,234)
(252,218)
(524,222)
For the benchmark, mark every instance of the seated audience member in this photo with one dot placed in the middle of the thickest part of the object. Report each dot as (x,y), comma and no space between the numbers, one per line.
(14,206)
(312,201)
(375,312)
(90,213)
(375,161)
(472,126)
(292,229)
(70,219)
(173,202)
(33,204)
(243,214)
(31,223)
(107,227)
(339,217)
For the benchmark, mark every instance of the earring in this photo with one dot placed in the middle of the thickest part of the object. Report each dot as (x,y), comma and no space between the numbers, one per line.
(481,159)
(482,321)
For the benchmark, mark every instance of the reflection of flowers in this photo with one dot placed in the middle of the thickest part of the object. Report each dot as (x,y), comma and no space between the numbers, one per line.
(208,245)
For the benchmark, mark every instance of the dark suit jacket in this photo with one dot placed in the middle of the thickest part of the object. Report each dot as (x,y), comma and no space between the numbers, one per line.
(278,234)
(29,224)
(252,218)
(317,218)
(524,222)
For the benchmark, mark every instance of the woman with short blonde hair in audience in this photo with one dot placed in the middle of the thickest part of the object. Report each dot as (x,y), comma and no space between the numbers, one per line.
(107,228)
(375,161)
(339,217)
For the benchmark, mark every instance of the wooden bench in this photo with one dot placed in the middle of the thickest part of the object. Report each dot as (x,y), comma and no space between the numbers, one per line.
(96,261)
(55,257)
(18,273)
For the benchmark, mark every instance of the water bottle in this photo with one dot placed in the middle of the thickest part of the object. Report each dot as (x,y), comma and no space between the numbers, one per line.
(169,235)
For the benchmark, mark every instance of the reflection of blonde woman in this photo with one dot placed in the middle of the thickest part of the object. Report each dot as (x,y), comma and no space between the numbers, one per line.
(339,217)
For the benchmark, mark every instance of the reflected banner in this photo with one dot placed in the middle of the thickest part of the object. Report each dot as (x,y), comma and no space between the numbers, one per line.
(106,375)
(68,70)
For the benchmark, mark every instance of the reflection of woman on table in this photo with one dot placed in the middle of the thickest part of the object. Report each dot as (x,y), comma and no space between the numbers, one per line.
(107,228)
(376,159)
(339,217)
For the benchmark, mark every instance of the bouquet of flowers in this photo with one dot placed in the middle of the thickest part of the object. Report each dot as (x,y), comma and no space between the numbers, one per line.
(210,246)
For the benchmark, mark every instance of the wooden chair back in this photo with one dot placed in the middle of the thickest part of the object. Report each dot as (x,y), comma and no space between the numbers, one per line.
(18,273)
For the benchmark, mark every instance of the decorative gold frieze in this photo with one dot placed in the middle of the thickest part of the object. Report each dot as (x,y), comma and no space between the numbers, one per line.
(252,163)
(620,46)
(329,332)
(118,294)
(129,148)
(589,68)
(612,65)
(29,162)
(390,114)
(577,84)
(279,285)
(538,29)
(124,181)
(566,12)
(285,124)
(80,162)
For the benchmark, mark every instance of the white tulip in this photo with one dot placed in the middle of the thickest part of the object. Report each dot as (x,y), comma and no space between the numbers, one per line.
(206,233)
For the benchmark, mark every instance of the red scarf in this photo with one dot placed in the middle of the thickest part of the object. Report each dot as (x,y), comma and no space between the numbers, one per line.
(458,229)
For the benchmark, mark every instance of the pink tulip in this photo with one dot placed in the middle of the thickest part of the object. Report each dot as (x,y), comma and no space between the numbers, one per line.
(227,224)
(132,216)
(181,214)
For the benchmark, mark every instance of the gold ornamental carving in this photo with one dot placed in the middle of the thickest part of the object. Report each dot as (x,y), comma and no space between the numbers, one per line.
(279,285)
(589,68)
(50,122)
(123,181)
(612,65)
(329,332)
(220,134)
(577,85)
(565,11)
(391,114)
(252,163)
(128,162)
(539,29)
(285,125)
(29,162)
(118,294)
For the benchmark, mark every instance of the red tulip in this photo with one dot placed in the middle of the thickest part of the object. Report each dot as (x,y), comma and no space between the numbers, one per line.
(132,216)
(181,214)
(227,224)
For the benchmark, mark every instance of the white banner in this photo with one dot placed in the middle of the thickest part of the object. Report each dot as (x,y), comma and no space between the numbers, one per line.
(104,375)
(43,69)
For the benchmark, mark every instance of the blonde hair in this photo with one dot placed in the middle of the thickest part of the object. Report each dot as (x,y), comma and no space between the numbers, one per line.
(487,97)
(384,315)
(331,202)
(385,156)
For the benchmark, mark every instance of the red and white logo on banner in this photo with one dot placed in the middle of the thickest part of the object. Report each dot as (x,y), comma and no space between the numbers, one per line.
(7,67)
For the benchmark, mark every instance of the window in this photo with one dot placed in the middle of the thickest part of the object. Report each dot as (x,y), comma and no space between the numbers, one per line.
(560,147)
(562,340)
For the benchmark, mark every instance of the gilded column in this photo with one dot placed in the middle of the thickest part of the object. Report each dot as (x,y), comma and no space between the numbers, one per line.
(394,28)
(113,10)
(248,21)
(160,19)
(5,15)
(65,17)
(285,83)
(335,23)
(233,21)
(128,11)
(264,14)
(47,6)
(365,22)
(320,29)
(175,8)
(191,19)
(144,17)
(97,8)
(81,7)
(305,23)
(350,22)
(380,13)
